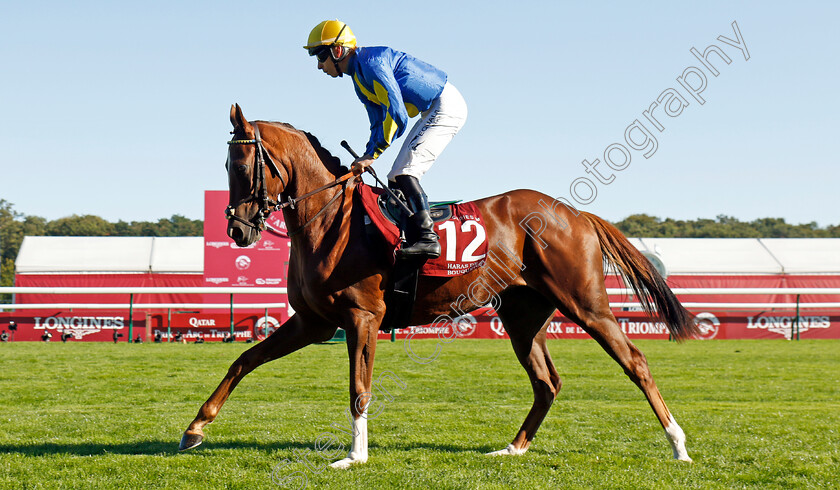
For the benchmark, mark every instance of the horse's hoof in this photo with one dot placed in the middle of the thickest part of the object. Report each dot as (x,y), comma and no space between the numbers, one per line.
(190,440)
(345,463)
(508,451)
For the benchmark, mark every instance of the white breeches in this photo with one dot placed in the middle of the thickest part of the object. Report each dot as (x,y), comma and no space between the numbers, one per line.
(430,135)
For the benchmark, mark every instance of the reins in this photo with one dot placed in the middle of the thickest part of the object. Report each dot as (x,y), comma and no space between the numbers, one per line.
(260,193)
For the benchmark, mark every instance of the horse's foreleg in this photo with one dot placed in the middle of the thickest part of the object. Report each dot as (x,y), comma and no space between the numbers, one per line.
(361,347)
(294,334)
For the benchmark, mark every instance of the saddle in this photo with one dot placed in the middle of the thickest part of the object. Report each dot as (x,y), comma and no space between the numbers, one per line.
(439,210)
(459,224)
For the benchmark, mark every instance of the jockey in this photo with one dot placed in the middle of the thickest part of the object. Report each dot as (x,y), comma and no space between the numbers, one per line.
(395,86)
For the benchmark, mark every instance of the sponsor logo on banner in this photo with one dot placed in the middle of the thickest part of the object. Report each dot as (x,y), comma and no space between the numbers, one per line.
(276,222)
(784,325)
(202,322)
(708,324)
(218,280)
(269,281)
(440,329)
(464,325)
(79,326)
(217,244)
(558,327)
(237,247)
(497,327)
(265,326)
(642,327)
(555,327)
(273,246)
(243,262)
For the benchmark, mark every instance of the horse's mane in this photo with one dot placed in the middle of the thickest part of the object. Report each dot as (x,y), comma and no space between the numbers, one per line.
(330,161)
(326,156)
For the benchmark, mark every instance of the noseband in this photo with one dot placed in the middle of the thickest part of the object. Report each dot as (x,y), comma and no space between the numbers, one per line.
(260,192)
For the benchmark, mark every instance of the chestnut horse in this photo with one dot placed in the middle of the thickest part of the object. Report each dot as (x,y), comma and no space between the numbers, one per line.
(547,257)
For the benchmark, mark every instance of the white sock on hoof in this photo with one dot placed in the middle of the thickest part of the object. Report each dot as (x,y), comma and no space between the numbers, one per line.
(359,450)
(345,463)
(676,437)
(508,451)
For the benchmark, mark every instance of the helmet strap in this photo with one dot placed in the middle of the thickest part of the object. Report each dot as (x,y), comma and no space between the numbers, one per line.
(337,59)
(343,51)
(340,31)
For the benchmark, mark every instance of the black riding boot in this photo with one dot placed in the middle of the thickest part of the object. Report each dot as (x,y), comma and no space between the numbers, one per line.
(422,239)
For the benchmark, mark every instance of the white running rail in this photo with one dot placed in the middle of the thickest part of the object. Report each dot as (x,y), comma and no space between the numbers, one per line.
(140,290)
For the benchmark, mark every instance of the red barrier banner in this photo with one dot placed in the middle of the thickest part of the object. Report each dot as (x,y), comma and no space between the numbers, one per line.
(484,324)
(104,325)
(86,325)
(769,325)
(214,327)
(89,325)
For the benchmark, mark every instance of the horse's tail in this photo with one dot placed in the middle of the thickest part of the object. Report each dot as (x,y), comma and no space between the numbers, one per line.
(657,299)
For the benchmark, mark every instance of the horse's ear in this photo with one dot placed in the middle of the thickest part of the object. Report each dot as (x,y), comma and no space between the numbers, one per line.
(238,120)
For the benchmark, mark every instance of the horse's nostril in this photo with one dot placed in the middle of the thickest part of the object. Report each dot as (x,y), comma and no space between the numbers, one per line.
(236,234)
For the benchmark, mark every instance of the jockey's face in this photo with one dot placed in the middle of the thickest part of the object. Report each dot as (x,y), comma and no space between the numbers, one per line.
(328,67)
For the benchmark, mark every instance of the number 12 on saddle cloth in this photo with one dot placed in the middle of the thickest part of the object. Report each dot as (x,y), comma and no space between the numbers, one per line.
(463,239)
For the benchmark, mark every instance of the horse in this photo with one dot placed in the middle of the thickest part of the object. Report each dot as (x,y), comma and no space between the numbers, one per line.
(548,256)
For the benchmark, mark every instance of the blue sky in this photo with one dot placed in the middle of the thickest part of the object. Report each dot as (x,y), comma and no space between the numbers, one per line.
(121,109)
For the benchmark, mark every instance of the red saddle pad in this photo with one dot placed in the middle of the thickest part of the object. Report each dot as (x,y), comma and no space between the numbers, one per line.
(463,239)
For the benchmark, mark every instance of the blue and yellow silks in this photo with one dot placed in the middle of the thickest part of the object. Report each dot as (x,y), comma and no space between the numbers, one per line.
(394,87)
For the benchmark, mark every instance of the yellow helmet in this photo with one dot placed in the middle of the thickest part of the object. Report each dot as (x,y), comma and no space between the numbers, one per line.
(330,33)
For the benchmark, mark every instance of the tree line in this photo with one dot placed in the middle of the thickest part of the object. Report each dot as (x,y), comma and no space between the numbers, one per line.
(643,225)
(15,225)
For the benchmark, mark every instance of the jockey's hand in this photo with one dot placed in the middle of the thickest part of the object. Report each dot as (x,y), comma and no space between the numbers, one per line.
(360,164)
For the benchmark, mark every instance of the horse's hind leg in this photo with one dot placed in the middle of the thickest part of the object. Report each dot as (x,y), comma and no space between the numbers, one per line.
(594,316)
(294,334)
(526,315)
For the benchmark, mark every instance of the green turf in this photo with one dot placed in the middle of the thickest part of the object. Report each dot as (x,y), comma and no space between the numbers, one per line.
(758,414)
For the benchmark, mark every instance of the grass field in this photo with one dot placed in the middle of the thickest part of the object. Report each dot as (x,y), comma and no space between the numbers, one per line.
(761,414)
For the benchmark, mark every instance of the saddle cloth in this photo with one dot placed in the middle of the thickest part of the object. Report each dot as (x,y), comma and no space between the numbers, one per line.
(463,239)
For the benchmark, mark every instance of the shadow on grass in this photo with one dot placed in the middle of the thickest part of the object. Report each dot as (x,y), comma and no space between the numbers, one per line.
(170,448)
(150,448)
(446,448)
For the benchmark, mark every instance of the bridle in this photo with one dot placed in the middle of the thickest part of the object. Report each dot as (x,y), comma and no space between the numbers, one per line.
(260,192)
